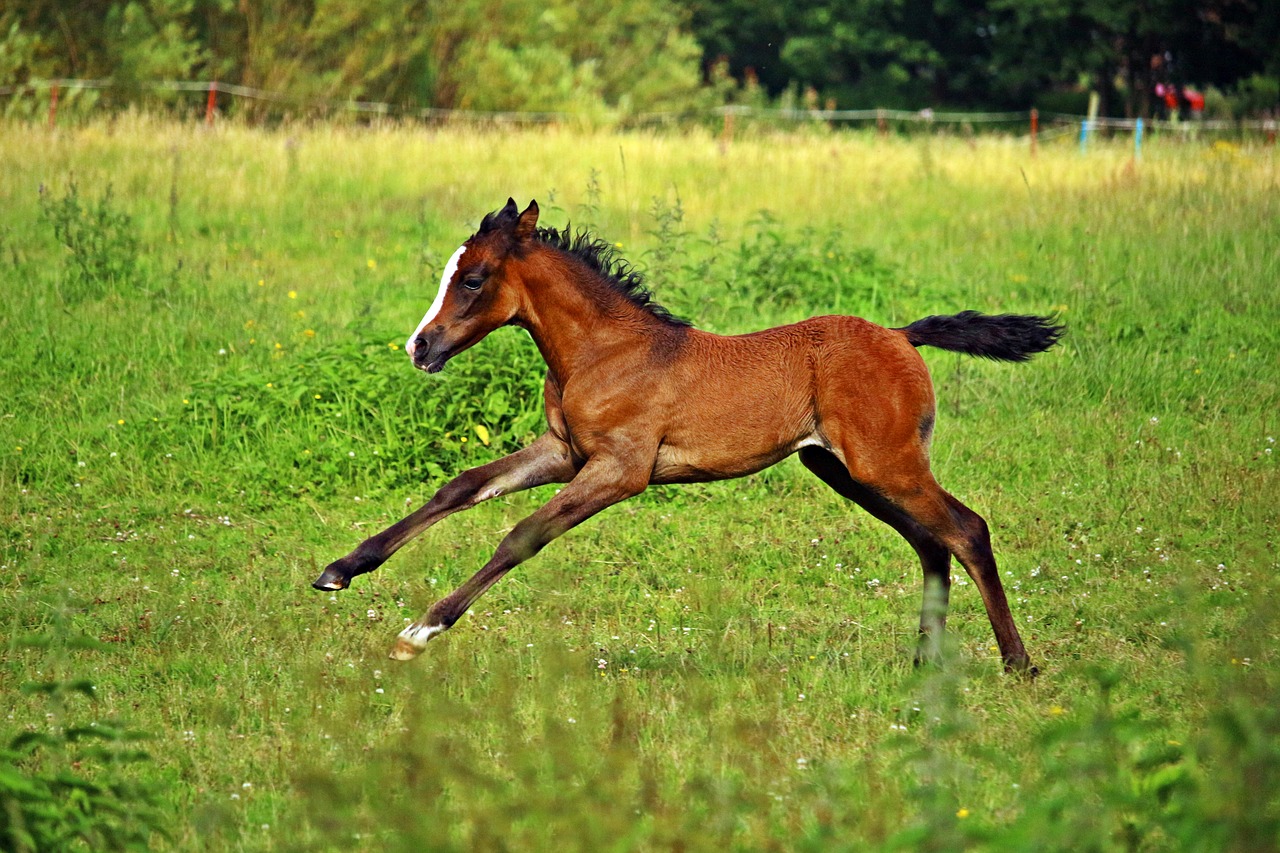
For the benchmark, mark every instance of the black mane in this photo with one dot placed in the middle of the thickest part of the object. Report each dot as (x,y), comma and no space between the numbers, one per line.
(596,253)
(599,255)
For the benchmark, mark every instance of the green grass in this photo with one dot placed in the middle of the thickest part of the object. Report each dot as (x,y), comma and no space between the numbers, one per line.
(205,402)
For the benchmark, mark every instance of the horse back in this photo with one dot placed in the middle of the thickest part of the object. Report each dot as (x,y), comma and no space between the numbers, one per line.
(732,405)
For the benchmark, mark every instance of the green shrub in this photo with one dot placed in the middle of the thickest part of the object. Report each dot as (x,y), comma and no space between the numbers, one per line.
(66,788)
(100,240)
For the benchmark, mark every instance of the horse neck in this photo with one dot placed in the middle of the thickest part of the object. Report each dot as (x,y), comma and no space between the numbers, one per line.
(576,318)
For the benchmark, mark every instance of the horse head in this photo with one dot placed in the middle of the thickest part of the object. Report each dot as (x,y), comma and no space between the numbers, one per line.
(479,290)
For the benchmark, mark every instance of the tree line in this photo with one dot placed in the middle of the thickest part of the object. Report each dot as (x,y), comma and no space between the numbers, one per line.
(599,56)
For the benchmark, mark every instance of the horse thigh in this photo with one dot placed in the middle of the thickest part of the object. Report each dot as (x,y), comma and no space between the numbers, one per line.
(934,555)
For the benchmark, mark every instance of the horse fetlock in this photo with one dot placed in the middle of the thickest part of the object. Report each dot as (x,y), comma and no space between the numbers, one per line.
(1022,666)
(338,574)
(333,578)
(412,640)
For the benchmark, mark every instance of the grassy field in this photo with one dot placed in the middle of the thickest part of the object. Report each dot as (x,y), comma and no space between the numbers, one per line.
(205,401)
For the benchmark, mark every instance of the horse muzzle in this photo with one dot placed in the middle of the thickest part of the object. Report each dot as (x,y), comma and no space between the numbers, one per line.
(429,353)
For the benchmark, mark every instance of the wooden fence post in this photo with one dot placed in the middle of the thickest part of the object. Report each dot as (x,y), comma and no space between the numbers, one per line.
(1035,129)
(53,106)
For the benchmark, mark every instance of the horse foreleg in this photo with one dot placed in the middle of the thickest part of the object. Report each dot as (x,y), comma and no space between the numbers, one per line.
(545,461)
(600,484)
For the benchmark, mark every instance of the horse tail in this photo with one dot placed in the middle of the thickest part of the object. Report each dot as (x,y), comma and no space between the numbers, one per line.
(1001,337)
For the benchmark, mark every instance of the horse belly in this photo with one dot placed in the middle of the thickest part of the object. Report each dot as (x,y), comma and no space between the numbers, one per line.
(675,467)
(733,447)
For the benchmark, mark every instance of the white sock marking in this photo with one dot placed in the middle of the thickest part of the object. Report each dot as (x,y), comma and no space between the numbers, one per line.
(450,269)
(417,635)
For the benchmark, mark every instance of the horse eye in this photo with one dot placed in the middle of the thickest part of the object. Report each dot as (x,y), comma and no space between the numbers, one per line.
(473,282)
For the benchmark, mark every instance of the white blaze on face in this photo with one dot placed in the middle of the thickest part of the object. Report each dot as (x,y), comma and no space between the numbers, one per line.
(450,269)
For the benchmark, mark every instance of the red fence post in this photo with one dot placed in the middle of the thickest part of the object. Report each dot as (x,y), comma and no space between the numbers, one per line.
(53,106)
(211,103)
(1035,129)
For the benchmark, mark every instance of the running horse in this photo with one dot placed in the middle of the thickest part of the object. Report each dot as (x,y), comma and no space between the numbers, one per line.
(635,396)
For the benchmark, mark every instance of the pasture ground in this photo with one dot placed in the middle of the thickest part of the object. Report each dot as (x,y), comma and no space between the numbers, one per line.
(205,401)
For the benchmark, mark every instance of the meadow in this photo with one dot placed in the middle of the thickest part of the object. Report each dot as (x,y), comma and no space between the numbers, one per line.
(206,399)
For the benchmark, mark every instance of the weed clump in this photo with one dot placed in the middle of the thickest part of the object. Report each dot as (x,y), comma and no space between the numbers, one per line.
(66,786)
(100,241)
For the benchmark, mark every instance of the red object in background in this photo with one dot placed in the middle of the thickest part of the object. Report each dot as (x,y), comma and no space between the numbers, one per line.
(1194,99)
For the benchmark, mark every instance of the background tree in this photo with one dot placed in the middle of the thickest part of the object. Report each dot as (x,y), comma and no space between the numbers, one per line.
(480,54)
(1010,53)
(593,56)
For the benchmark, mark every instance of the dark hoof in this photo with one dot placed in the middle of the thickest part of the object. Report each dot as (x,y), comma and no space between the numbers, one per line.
(1023,668)
(331,580)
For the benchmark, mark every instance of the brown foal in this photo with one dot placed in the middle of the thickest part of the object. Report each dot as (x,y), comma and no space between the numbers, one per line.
(635,396)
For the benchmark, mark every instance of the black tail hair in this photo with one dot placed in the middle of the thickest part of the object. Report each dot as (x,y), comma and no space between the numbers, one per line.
(1001,337)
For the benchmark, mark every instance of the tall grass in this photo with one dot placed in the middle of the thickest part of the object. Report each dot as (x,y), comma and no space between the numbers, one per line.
(193,430)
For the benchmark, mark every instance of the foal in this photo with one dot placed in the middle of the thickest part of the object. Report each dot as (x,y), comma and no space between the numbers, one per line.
(635,396)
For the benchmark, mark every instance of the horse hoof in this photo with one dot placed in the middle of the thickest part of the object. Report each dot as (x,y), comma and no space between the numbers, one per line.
(404,650)
(331,581)
(412,640)
(1023,668)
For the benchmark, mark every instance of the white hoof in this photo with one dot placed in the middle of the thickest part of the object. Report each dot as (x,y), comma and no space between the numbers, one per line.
(413,640)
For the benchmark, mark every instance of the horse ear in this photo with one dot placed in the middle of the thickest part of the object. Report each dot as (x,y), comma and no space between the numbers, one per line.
(500,218)
(527,222)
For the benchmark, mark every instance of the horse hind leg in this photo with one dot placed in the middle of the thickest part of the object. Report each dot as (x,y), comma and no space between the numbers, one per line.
(935,558)
(904,494)
(971,543)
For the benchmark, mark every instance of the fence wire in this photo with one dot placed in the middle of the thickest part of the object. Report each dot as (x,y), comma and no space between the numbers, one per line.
(775,114)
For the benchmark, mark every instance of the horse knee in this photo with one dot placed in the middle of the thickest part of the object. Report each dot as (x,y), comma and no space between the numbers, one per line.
(977,532)
(967,522)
